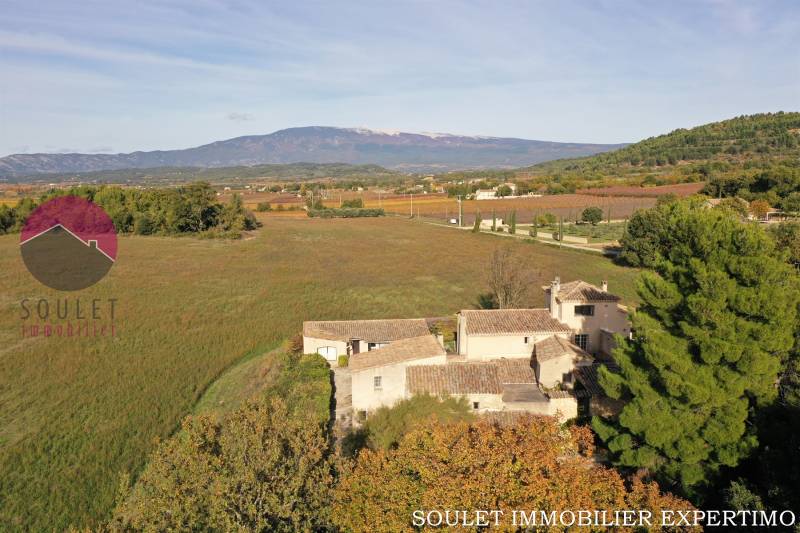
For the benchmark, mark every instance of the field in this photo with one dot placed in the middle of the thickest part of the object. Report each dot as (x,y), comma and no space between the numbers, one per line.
(680,189)
(569,206)
(439,206)
(78,412)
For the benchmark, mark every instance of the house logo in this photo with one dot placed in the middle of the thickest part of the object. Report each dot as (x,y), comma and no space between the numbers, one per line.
(68,243)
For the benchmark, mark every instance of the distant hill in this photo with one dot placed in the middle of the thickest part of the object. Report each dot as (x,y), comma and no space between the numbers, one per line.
(225,175)
(754,157)
(761,137)
(316,144)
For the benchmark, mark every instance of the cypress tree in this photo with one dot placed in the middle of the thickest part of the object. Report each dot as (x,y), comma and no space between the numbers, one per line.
(494,221)
(512,225)
(476,228)
(717,317)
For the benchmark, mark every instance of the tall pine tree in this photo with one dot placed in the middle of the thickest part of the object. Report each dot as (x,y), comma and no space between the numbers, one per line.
(717,319)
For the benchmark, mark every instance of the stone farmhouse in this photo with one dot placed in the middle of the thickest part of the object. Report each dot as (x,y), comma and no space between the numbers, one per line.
(541,361)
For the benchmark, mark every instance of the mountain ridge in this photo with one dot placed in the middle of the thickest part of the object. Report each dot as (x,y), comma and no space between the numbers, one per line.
(320,144)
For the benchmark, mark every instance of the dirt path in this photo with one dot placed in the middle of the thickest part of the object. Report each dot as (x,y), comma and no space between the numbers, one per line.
(597,248)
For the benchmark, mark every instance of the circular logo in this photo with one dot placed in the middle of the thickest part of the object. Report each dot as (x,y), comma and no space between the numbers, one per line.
(68,243)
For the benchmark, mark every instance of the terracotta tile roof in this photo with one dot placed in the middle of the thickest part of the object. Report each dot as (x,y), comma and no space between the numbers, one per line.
(490,377)
(514,370)
(454,378)
(397,352)
(510,321)
(588,377)
(581,291)
(555,346)
(366,330)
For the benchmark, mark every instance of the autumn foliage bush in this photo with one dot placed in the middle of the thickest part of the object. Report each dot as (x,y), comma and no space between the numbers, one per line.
(534,463)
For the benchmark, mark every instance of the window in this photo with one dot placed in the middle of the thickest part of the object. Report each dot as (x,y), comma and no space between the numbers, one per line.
(376,345)
(376,381)
(527,339)
(585,310)
(582,340)
(476,405)
(328,352)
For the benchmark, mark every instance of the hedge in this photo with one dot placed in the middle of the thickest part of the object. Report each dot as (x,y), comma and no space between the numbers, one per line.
(345,212)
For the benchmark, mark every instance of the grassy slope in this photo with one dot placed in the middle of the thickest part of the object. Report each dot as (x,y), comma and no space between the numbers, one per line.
(75,413)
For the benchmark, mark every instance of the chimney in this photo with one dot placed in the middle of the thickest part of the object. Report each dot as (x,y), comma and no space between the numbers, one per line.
(604,286)
(555,287)
(92,244)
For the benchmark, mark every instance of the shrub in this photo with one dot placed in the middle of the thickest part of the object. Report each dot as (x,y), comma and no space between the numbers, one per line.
(263,206)
(759,208)
(593,215)
(354,203)
(547,219)
(346,213)
(476,228)
(343,361)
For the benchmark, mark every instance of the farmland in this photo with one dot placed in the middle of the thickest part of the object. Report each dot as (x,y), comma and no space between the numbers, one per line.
(78,412)
(678,189)
(569,206)
(440,206)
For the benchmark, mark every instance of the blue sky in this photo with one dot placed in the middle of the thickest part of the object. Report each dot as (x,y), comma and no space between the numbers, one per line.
(123,76)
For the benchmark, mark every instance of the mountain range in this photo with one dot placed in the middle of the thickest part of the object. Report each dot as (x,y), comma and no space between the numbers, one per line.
(420,152)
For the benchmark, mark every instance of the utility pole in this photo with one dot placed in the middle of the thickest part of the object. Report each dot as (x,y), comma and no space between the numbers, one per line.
(460,211)
(412,205)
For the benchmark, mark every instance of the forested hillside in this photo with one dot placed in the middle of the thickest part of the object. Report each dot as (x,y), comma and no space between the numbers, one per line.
(740,147)
(169,175)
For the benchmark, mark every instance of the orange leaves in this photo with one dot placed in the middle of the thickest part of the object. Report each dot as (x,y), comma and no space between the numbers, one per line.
(533,464)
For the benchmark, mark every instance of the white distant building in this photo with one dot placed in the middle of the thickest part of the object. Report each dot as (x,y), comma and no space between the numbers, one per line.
(491,194)
(516,360)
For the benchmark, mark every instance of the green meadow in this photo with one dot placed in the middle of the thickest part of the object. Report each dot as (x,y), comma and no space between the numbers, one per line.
(76,413)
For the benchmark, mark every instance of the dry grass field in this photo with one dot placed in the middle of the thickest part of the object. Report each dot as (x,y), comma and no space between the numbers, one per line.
(75,413)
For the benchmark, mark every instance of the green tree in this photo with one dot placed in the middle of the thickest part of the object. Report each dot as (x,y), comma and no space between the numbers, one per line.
(494,221)
(593,215)
(387,425)
(735,205)
(7,219)
(503,190)
(787,239)
(512,224)
(143,224)
(718,315)
(645,236)
(476,228)
(261,469)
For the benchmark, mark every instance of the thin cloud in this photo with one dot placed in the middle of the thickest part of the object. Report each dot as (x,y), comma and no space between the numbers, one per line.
(240,117)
